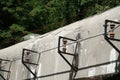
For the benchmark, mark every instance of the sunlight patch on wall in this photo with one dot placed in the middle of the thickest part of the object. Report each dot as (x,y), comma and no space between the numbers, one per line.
(111,67)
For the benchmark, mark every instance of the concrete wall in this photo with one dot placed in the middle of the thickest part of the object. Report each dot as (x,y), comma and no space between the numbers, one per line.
(91,51)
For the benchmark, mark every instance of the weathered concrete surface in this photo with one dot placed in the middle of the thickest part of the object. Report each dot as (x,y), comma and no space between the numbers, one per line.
(113,76)
(91,51)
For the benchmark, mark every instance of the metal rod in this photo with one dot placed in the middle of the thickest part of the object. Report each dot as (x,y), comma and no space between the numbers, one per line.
(67,53)
(112,21)
(74,68)
(8,76)
(60,52)
(30,50)
(4,70)
(113,45)
(4,60)
(67,38)
(79,69)
(113,39)
(107,38)
(30,63)
(26,65)
(2,77)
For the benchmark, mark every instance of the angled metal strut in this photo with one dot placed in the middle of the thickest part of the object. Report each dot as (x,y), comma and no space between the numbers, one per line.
(26,62)
(74,64)
(4,70)
(109,37)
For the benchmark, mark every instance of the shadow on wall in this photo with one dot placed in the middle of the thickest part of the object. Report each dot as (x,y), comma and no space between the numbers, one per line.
(103,77)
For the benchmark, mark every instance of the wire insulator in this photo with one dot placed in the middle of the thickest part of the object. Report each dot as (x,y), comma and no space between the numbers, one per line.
(112,34)
(27,56)
(64,45)
(112,25)
(64,41)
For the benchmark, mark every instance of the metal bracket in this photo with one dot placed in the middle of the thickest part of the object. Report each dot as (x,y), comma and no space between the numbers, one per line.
(108,39)
(73,67)
(5,71)
(75,61)
(26,61)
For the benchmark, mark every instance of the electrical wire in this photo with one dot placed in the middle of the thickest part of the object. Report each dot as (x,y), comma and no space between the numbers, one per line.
(79,69)
(79,40)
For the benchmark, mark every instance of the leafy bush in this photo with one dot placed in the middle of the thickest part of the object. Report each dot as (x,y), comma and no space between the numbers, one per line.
(19,17)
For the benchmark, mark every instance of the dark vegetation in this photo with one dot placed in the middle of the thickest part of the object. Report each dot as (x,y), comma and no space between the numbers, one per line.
(21,17)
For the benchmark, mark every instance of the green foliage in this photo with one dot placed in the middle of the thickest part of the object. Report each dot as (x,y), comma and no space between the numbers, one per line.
(19,17)
(16,28)
(100,8)
(12,36)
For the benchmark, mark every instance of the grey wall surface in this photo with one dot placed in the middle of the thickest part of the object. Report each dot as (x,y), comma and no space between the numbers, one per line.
(91,51)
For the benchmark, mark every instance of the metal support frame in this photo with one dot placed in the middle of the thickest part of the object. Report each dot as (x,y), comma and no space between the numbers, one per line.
(86,67)
(75,61)
(73,67)
(79,69)
(25,63)
(108,39)
(5,71)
